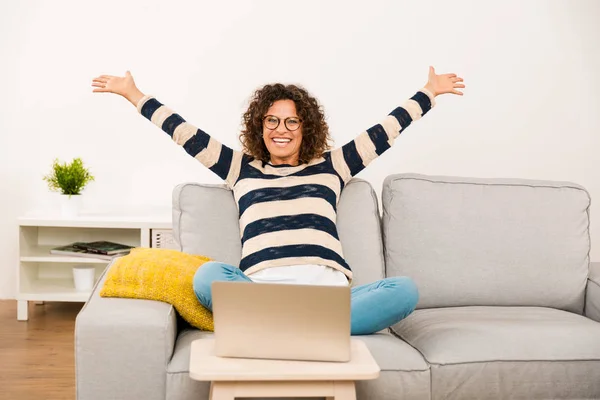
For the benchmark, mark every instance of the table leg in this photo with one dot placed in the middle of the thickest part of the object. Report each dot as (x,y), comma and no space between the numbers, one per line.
(343,390)
(22,310)
(222,391)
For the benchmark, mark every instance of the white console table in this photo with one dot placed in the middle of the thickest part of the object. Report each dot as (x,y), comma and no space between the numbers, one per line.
(42,276)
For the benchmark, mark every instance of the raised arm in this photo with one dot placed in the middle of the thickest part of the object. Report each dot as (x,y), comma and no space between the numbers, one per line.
(354,156)
(217,157)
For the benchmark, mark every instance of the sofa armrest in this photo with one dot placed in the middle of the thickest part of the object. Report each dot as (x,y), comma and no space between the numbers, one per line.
(122,347)
(592,295)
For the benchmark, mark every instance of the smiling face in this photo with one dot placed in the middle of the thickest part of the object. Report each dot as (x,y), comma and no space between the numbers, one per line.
(282,143)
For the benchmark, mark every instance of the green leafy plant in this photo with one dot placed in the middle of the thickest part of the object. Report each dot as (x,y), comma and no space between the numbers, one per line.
(69,179)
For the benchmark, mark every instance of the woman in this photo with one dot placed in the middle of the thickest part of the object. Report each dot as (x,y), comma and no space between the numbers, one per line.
(287,185)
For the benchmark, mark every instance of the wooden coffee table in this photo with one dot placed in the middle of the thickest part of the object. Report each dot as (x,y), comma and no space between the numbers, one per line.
(240,377)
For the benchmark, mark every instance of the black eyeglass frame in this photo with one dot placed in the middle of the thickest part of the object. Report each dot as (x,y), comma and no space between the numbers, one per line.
(285,121)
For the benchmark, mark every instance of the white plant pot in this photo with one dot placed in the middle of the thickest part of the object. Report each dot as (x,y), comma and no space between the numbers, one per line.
(70,205)
(84,277)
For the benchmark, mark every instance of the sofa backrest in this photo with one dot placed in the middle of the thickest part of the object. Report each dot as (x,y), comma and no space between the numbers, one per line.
(205,221)
(504,242)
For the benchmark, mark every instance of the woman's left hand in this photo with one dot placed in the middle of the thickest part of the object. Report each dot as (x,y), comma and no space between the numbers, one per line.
(445,83)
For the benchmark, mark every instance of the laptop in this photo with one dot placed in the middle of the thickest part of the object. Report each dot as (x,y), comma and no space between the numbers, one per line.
(281,321)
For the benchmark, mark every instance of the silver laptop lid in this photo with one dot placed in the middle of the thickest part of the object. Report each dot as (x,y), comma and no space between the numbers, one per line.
(281,321)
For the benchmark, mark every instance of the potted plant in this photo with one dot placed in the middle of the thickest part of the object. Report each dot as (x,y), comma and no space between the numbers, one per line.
(69,179)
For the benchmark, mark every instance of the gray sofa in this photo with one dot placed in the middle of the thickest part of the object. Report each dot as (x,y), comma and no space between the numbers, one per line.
(509,301)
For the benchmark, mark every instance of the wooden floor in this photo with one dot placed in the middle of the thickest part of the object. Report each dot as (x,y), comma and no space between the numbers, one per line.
(37,356)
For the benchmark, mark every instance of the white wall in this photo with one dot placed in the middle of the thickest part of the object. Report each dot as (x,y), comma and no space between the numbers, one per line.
(531,108)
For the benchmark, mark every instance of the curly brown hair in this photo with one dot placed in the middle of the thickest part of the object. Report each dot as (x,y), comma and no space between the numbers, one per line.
(315,131)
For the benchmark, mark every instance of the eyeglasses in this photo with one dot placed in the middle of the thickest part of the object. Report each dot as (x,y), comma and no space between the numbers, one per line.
(272,122)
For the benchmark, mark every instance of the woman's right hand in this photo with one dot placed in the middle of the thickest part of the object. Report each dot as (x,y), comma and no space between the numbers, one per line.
(121,85)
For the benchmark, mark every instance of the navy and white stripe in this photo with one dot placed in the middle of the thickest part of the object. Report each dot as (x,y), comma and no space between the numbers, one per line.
(290,222)
(354,156)
(220,159)
(287,214)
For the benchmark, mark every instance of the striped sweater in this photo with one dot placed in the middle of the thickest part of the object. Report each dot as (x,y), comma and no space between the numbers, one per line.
(287,214)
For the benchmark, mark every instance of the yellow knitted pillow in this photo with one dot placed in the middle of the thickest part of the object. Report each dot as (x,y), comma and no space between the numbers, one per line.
(163,275)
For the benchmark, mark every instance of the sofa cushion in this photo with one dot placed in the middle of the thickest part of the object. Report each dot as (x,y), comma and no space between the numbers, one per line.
(359,227)
(506,352)
(162,275)
(403,370)
(205,222)
(502,242)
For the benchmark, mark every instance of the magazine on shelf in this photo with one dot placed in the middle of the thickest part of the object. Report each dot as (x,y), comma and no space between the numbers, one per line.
(77,249)
(103,247)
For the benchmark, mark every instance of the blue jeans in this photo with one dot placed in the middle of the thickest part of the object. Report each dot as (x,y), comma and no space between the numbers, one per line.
(374,307)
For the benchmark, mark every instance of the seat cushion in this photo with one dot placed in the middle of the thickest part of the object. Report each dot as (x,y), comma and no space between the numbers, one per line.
(488,242)
(506,352)
(404,372)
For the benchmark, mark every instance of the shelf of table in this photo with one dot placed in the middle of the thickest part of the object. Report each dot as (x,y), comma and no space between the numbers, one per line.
(54,290)
(39,281)
(42,254)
